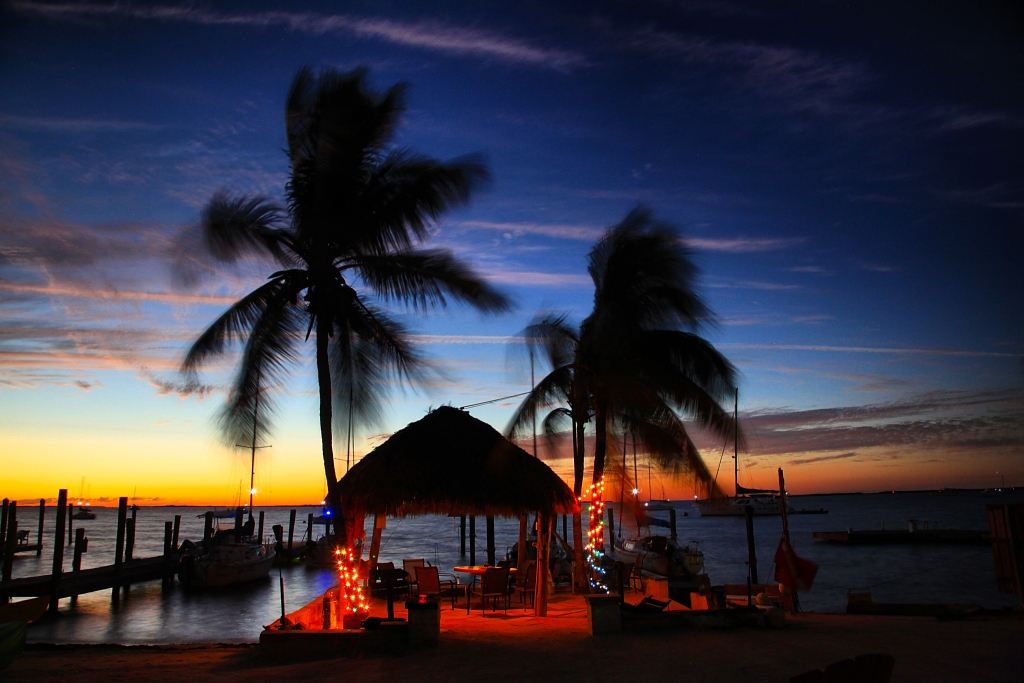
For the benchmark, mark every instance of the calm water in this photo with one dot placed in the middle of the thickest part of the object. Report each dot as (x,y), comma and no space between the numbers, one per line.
(963,574)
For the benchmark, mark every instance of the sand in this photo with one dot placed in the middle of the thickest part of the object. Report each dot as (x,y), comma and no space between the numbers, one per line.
(496,648)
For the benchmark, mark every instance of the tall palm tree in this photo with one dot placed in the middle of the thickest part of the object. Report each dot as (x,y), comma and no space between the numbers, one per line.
(356,211)
(636,363)
(650,368)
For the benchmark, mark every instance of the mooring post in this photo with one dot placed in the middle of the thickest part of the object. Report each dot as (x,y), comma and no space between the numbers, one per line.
(238,524)
(490,541)
(309,527)
(129,539)
(11,541)
(174,535)
(122,520)
(3,527)
(71,523)
(672,521)
(81,545)
(472,540)
(259,533)
(207,529)
(291,531)
(58,550)
(462,533)
(165,581)
(748,513)
(39,532)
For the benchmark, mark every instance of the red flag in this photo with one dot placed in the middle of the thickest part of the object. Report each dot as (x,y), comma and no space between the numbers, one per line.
(792,570)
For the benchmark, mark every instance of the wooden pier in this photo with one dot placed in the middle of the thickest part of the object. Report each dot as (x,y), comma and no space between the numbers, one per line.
(917,532)
(125,570)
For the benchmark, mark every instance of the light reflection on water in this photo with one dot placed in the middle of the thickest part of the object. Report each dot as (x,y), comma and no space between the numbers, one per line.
(962,574)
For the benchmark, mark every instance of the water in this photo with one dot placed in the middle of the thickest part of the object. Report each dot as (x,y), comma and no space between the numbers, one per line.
(961,574)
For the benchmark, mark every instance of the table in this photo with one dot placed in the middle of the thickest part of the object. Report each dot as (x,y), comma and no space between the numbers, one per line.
(474,571)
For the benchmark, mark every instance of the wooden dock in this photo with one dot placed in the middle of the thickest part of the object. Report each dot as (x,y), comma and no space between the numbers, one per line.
(886,536)
(125,570)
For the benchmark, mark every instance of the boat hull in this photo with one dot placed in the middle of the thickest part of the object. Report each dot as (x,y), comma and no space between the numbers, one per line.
(232,564)
(670,561)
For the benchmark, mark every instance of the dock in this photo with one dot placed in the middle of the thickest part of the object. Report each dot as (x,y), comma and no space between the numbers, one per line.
(915,533)
(125,570)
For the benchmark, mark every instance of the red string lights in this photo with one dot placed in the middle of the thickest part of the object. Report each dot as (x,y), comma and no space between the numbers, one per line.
(352,596)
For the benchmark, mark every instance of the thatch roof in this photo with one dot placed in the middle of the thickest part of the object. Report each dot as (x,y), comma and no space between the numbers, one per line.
(449,462)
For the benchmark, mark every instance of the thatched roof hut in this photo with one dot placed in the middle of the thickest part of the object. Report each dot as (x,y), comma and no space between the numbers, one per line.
(449,462)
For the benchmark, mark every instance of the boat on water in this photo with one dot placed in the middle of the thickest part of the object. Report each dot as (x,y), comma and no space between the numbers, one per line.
(662,555)
(83,512)
(761,501)
(229,561)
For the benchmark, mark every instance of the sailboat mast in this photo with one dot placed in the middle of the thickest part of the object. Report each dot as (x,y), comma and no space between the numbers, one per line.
(736,442)
(252,466)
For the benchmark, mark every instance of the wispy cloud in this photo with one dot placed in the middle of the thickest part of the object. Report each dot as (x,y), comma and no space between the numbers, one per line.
(742,245)
(61,125)
(823,458)
(115,294)
(426,35)
(871,349)
(539,279)
(753,284)
(567,232)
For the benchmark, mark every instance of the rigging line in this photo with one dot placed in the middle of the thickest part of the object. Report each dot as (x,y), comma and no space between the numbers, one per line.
(493,400)
(384,544)
(720,460)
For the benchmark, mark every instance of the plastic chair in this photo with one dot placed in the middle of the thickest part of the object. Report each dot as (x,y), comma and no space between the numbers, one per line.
(636,575)
(526,582)
(429,584)
(494,586)
(410,568)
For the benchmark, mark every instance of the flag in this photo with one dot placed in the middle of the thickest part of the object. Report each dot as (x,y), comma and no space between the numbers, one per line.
(792,570)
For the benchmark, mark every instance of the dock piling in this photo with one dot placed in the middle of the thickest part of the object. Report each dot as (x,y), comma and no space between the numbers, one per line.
(165,583)
(71,523)
(748,513)
(3,526)
(81,546)
(39,532)
(259,533)
(672,522)
(58,548)
(238,524)
(291,531)
(207,529)
(174,534)
(122,519)
(11,540)
(309,527)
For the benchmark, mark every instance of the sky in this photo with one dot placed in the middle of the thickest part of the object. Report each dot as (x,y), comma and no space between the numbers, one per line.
(850,177)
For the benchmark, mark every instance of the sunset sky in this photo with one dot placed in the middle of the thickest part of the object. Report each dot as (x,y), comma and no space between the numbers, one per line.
(850,176)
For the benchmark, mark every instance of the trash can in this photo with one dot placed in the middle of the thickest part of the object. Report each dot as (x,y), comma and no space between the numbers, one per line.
(424,622)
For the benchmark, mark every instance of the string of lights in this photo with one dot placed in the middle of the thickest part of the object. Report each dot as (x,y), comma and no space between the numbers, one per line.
(353,598)
(595,538)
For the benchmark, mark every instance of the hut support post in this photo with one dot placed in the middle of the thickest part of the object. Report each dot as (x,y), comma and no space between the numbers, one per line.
(521,557)
(490,541)
(565,528)
(540,602)
(122,520)
(472,540)
(39,532)
(58,549)
(462,534)
(379,524)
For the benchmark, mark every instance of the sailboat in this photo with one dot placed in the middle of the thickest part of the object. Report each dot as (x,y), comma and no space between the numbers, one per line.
(232,557)
(762,501)
(82,510)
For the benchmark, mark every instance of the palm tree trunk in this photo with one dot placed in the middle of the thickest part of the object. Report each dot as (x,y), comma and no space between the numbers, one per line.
(579,556)
(600,437)
(323,376)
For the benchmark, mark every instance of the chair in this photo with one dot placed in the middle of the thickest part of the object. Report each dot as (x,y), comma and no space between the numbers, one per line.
(636,575)
(384,577)
(429,584)
(526,581)
(494,586)
(410,568)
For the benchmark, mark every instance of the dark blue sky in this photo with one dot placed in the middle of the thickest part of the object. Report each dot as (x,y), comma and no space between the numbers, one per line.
(851,176)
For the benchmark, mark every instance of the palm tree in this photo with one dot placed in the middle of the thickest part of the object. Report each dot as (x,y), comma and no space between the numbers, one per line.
(636,363)
(356,210)
(649,366)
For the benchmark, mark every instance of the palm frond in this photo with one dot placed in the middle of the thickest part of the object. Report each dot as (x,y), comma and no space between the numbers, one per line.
(425,278)
(239,226)
(550,390)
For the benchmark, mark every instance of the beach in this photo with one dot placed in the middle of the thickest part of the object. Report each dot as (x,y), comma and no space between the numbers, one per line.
(521,647)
